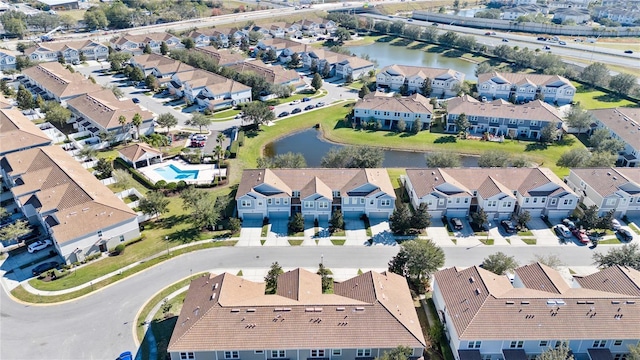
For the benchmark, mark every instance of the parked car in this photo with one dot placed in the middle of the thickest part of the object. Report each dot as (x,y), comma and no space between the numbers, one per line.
(581,235)
(562,43)
(136,100)
(44,267)
(271,107)
(457,224)
(296,110)
(547,47)
(125,356)
(568,223)
(38,245)
(508,226)
(305,99)
(309,107)
(283,114)
(294,102)
(562,231)
(505,40)
(628,51)
(615,224)
(541,38)
(488,33)
(624,234)
(320,104)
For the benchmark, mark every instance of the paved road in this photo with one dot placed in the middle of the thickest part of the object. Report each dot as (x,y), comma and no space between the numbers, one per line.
(100,326)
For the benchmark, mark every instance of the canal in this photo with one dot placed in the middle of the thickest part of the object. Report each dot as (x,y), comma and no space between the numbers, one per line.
(313,147)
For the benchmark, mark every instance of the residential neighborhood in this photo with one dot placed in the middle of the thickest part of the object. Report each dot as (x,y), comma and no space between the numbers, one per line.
(320,181)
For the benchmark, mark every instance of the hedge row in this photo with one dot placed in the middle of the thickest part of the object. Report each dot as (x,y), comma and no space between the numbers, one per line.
(135,174)
(241,137)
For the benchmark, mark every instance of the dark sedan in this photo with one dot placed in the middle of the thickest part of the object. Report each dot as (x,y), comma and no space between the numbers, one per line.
(508,226)
(296,110)
(44,267)
(283,114)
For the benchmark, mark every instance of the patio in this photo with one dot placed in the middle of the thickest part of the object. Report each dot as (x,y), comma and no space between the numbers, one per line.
(189,173)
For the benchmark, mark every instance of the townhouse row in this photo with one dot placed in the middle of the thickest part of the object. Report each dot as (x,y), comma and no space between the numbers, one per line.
(452,192)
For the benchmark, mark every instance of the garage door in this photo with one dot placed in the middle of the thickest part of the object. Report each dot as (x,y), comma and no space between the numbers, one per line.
(461,213)
(534,212)
(322,218)
(557,214)
(252,216)
(351,214)
(378,215)
(278,215)
(436,214)
(633,213)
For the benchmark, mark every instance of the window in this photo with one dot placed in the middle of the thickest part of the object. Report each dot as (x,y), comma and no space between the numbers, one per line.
(121,238)
(533,123)
(317,353)
(617,343)
(187,355)
(567,202)
(544,343)
(474,344)
(323,205)
(363,352)
(245,203)
(278,201)
(526,201)
(560,343)
(361,200)
(99,233)
(278,353)
(308,204)
(554,201)
(599,343)
(231,355)
(295,194)
(385,202)
(611,201)
(258,351)
(336,193)
(620,357)
(269,201)
(336,352)
(543,200)
(535,200)
(516,344)
(285,201)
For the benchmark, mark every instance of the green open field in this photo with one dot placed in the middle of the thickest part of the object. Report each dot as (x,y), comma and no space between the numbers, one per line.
(596,99)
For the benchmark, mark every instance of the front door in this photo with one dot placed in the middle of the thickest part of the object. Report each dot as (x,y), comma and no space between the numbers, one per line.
(103,247)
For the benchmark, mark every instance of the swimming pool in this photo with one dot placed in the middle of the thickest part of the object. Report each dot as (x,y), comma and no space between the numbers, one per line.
(172,172)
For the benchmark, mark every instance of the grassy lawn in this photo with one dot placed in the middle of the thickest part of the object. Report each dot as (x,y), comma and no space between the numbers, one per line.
(595,99)
(529,241)
(525,233)
(338,242)
(635,229)
(339,233)
(362,40)
(486,241)
(389,9)
(295,242)
(613,241)
(264,231)
(634,45)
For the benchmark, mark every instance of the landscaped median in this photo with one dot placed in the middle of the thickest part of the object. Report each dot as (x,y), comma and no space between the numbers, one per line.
(83,277)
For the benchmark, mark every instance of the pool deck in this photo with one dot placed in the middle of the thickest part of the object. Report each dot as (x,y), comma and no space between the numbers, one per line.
(206,172)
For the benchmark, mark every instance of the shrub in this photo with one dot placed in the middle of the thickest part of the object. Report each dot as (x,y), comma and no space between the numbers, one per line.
(240,138)
(171,186)
(161,184)
(118,249)
(182,184)
(234,150)
(121,164)
(234,225)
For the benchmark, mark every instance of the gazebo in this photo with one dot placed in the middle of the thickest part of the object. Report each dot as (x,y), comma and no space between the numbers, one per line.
(140,155)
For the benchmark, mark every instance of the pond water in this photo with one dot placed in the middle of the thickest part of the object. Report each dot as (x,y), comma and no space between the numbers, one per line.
(313,147)
(386,54)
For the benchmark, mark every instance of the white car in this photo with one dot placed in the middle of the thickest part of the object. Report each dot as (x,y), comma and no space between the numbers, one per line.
(295,102)
(615,224)
(562,230)
(38,245)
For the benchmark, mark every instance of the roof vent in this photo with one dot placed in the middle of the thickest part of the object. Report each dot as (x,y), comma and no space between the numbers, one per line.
(359,308)
(472,280)
(477,291)
(251,310)
(615,301)
(524,302)
(630,302)
(509,302)
(235,310)
(615,178)
(339,309)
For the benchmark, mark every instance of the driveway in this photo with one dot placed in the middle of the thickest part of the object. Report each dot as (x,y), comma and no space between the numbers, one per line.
(250,233)
(542,233)
(278,231)
(355,232)
(438,233)
(382,235)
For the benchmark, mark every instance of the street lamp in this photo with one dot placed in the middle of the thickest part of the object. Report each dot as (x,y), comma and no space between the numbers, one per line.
(488,228)
(166,239)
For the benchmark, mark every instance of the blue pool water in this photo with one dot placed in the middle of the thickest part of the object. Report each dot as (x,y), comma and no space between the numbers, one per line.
(171,172)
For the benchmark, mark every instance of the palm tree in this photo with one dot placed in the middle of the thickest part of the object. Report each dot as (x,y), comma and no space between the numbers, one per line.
(219,152)
(220,138)
(123,122)
(137,121)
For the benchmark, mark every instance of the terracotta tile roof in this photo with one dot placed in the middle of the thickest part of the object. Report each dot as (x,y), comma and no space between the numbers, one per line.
(258,321)
(104,108)
(416,103)
(79,202)
(519,78)
(527,181)
(484,306)
(288,180)
(273,74)
(608,181)
(624,122)
(422,71)
(60,81)
(136,151)
(541,277)
(222,57)
(615,279)
(534,110)
(18,132)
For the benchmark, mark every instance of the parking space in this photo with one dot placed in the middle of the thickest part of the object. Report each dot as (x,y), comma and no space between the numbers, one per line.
(381,234)
(250,233)
(277,234)
(466,230)
(355,232)
(542,233)
(438,232)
